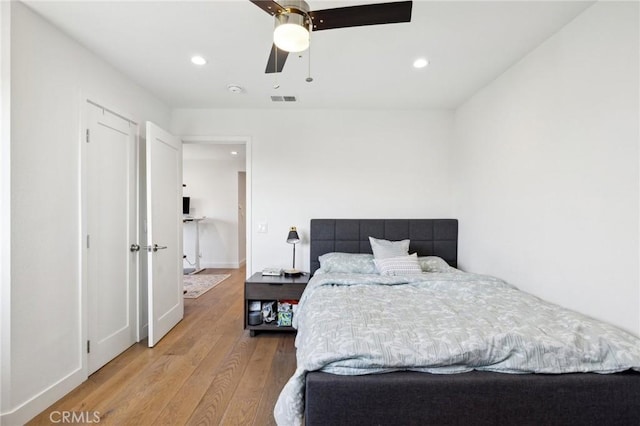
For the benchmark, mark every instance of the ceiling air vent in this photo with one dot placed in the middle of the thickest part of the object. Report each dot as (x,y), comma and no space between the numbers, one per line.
(283,98)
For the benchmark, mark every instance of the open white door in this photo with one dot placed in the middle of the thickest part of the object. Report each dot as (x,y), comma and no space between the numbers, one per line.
(164,231)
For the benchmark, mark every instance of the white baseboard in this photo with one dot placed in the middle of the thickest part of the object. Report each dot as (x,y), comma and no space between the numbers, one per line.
(40,402)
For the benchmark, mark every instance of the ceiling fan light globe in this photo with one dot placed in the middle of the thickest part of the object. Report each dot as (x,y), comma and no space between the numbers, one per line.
(291,37)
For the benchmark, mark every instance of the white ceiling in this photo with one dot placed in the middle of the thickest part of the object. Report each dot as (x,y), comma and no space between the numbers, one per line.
(468,44)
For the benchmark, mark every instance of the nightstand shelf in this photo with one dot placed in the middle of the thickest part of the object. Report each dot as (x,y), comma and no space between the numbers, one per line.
(267,288)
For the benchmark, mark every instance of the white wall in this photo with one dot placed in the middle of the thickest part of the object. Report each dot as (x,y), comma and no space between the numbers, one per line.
(341,164)
(546,169)
(212,185)
(5,198)
(49,73)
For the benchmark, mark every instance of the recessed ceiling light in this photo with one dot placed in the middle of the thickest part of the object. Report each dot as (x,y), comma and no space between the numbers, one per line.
(234,152)
(420,63)
(198,60)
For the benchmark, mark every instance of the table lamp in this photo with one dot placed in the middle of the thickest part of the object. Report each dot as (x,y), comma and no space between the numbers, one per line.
(293,238)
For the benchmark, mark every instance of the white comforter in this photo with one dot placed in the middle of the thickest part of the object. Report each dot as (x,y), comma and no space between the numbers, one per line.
(442,323)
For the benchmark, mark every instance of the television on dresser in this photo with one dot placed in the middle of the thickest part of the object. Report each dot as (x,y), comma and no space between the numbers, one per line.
(185,205)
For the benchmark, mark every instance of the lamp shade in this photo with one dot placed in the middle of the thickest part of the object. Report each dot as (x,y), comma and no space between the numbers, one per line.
(293,236)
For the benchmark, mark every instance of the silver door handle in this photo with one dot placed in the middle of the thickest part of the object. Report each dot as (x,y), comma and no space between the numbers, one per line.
(134,247)
(154,248)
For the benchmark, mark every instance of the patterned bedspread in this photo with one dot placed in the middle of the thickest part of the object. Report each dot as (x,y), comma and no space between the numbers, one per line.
(442,323)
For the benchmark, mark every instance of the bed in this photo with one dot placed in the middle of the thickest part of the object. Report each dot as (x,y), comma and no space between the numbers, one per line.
(339,386)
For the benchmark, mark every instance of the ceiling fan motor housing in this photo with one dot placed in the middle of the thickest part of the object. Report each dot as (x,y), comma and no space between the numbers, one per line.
(299,6)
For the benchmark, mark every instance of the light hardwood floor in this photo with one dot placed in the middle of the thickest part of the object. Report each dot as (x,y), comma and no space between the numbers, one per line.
(206,371)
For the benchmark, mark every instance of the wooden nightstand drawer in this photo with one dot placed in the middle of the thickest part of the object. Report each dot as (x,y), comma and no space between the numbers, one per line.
(269,291)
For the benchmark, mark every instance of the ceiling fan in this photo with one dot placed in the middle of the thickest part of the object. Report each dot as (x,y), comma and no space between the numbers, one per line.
(294,22)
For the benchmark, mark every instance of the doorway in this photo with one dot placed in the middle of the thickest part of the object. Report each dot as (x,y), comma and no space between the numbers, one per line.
(216,175)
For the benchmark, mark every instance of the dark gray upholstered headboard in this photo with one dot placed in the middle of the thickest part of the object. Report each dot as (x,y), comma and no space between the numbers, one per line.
(429,237)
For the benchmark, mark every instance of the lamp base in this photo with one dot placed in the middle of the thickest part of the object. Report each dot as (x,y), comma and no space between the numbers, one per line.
(291,273)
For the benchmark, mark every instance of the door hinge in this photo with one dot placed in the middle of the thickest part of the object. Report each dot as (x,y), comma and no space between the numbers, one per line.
(88,346)
(88,240)
(87,137)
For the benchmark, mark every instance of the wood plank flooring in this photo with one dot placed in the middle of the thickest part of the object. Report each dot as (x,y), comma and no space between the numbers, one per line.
(206,371)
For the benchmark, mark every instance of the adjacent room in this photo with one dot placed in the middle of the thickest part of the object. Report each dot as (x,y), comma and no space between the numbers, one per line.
(517,123)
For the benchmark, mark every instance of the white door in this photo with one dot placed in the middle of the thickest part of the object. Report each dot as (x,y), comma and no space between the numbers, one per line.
(110,195)
(164,231)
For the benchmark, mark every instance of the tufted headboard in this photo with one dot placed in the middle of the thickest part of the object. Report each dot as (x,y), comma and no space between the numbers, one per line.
(429,237)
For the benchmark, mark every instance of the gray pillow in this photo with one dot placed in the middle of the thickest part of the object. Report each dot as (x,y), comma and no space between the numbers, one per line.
(383,249)
(434,264)
(353,263)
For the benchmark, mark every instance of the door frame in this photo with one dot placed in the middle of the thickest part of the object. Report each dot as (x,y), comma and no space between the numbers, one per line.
(85,101)
(234,140)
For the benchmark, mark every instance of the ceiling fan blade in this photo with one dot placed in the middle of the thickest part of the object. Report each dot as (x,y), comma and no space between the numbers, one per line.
(357,16)
(269,6)
(271,63)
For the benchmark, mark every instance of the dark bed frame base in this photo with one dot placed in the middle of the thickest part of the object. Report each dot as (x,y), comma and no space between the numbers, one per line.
(474,398)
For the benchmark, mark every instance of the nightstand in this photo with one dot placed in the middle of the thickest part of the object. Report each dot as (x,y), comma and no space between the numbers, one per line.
(265,288)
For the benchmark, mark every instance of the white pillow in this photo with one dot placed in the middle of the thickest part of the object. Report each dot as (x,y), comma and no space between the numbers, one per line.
(385,248)
(401,265)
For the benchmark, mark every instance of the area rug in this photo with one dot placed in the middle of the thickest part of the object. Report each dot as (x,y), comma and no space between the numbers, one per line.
(198,284)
